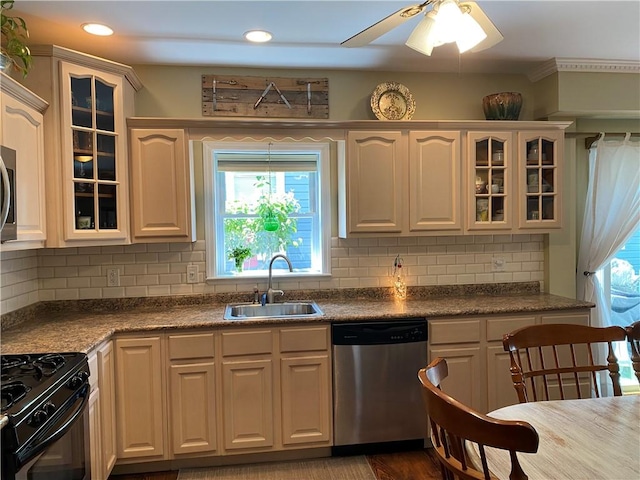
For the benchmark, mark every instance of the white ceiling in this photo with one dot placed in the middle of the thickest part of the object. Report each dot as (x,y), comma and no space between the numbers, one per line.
(307,34)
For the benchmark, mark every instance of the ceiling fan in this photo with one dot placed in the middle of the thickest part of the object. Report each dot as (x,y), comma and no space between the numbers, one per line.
(431,32)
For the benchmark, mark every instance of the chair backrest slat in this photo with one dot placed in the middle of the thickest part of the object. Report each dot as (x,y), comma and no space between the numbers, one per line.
(570,349)
(454,426)
(633,337)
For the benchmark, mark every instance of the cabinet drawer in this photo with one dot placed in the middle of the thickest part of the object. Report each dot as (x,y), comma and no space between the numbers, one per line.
(575,318)
(454,331)
(304,339)
(191,346)
(247,343)
(497,327)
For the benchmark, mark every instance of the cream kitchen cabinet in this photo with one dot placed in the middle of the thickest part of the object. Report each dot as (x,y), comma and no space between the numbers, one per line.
(514,179)
(373,181)
(102,411)
(192,399)
(305,373)
(489,187)
(106,369)
(451,178)
(276,388)
(140,398)
(95,439)
(162,191)
(22,129)
(479,373)
(458,341)
(87,194)
(540,177)
(401,183)
(248,389)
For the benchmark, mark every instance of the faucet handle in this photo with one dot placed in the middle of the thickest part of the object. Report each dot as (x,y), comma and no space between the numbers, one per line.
(280,292)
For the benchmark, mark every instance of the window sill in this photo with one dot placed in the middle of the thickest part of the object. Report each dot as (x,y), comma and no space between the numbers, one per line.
(248,278)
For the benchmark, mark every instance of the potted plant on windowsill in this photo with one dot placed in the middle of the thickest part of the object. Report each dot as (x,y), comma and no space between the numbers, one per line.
(239,255)
(14,52)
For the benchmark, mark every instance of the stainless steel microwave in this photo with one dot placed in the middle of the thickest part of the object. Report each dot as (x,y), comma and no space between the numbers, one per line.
(8,225)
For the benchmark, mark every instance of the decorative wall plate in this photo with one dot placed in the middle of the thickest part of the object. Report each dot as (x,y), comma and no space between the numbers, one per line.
(392,101)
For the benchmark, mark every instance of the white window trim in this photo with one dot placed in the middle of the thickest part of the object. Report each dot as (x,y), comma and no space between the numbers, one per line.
(324,200)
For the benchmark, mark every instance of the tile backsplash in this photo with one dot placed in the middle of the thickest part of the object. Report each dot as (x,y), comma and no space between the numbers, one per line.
(161,269)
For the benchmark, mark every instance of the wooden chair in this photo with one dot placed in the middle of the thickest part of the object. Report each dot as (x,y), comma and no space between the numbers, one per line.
(557,360)
(454,425)
(633,337)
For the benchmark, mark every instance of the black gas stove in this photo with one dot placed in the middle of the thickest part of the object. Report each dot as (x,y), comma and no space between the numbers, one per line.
(41,396)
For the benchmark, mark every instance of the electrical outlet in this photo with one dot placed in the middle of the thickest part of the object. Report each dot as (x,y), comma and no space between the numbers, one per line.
(113,277)
(192,273)
(498,264)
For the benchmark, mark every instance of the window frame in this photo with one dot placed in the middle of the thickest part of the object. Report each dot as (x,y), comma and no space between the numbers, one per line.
(210,170)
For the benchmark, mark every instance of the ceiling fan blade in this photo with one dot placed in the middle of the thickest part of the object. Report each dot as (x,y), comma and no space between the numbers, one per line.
(385,25)
(493,34)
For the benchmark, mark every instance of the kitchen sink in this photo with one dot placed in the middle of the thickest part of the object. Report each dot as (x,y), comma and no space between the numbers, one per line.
(245,311)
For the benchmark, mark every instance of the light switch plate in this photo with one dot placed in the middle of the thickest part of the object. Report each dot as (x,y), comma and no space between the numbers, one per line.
(192,273)
(113,277)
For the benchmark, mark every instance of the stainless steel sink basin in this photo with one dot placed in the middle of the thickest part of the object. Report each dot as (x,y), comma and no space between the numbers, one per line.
(272,310)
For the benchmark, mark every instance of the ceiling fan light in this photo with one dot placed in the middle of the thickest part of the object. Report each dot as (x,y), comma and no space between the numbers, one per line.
(448,21)
(470,33)
(422,38)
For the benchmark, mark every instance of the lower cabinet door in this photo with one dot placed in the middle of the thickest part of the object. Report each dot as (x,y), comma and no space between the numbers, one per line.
(248,404)
(193,408)
(465,380)
(306,400)
(139,398)
(95,436)
(107,407)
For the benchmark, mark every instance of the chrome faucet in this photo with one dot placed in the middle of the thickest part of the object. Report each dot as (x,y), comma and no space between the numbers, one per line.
(268,297)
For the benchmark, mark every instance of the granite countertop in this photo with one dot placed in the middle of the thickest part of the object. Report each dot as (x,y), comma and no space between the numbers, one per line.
(68,328)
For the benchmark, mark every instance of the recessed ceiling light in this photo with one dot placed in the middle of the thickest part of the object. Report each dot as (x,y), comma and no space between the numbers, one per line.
(258,36)
(97,29)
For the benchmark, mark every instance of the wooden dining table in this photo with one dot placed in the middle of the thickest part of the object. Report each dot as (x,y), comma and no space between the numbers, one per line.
(594,438)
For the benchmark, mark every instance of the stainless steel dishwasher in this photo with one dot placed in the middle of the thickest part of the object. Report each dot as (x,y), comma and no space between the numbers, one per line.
(377,396)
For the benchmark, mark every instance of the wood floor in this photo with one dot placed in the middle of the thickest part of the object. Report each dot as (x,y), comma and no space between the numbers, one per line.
(417,465)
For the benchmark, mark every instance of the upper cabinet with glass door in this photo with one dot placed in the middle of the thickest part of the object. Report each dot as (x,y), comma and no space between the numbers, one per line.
(539,180)
(97,205)
(490,190)
(86,166)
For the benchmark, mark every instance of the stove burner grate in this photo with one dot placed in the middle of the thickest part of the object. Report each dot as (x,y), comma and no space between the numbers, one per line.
(16,366)
(11,393)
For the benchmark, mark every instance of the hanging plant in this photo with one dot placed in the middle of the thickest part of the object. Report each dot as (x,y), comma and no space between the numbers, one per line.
(13,48)
(239,255)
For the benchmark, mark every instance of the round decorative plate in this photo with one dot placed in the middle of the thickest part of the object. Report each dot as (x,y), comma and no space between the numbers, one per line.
(392,101)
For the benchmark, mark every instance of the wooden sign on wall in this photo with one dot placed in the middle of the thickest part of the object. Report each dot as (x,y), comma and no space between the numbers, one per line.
(274,97)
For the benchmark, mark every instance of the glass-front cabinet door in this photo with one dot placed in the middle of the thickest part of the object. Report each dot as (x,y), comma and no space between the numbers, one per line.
(489,186)
(539,179)
(94,163)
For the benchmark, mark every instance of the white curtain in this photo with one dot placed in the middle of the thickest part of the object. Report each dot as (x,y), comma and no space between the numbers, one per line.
(612,213)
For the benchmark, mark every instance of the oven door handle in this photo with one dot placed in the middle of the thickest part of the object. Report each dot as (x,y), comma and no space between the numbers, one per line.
(62,430)
(6,193)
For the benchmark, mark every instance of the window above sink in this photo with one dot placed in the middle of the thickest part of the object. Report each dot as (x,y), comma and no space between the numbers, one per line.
(266,198)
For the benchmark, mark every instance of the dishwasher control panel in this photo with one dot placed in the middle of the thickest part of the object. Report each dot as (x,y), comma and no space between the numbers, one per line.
(380,332)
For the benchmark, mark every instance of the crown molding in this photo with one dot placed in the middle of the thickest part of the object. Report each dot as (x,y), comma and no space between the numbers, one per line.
(18,91)
(554,65)
(87,60)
